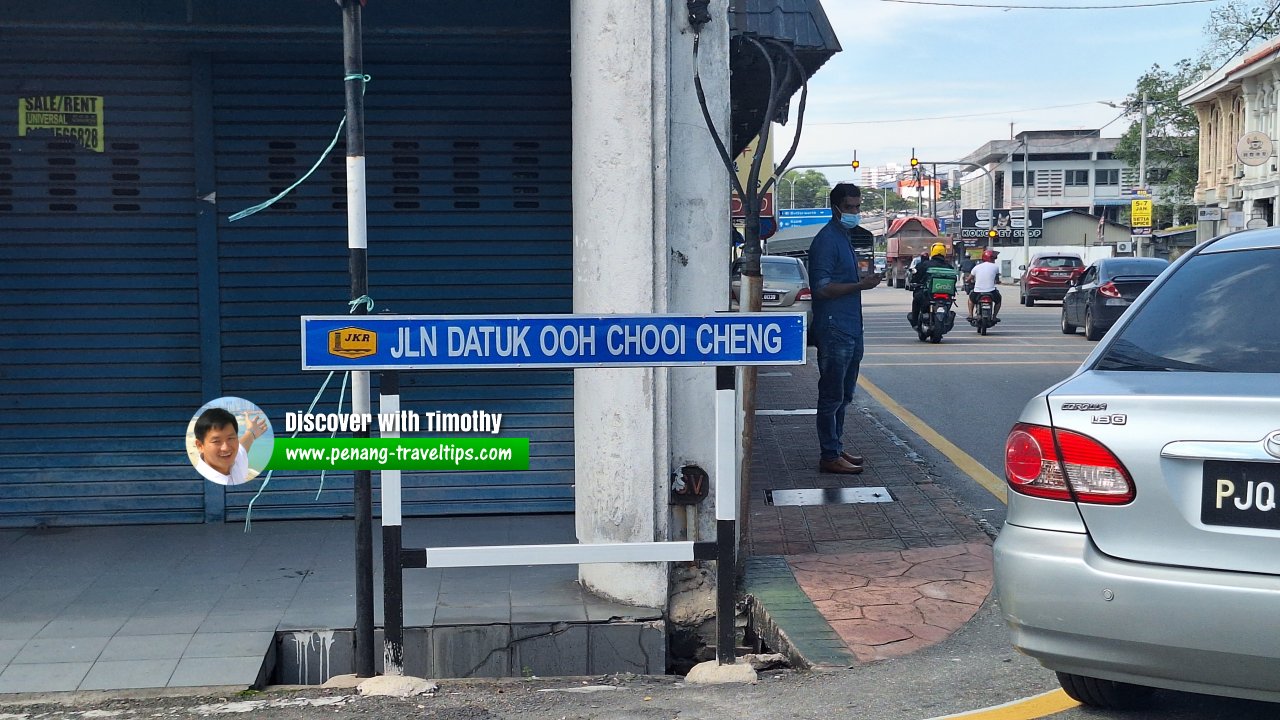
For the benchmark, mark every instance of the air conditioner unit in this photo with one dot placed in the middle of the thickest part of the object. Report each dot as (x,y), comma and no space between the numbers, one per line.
(1124,246)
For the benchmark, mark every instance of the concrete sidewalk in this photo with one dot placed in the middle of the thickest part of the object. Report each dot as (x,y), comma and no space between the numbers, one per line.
(200,605)
(110,608)
(867,580)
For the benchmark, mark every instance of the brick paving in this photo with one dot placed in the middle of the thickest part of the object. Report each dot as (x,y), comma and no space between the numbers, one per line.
(889,578)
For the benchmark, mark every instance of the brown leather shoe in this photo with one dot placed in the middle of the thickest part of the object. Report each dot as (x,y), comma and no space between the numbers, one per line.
(854,459)
(839,465)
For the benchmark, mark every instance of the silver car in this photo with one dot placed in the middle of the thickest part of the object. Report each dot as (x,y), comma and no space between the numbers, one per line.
(786,284)
(1142,542)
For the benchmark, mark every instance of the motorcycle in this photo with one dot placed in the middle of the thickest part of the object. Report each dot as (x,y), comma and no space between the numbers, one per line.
(986,313)
(936,317)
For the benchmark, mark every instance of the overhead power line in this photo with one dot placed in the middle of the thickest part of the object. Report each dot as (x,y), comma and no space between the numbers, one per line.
(983,6)
(953,117)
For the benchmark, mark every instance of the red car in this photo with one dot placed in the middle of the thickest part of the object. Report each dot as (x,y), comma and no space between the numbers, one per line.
(1048,277)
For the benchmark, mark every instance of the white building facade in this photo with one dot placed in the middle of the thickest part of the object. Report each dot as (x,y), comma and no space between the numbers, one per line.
(1238,183)
(1066,170)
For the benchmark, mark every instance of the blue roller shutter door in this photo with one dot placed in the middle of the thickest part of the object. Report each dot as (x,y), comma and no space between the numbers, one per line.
(100,360)
(469,213)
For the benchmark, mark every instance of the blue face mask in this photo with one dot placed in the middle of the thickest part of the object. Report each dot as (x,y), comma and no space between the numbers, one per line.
(850,220)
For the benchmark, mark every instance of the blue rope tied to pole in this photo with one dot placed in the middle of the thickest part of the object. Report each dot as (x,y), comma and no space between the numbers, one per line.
(323,156)
(248,513)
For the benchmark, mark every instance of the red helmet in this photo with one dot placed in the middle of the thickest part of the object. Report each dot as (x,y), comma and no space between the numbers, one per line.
(989,255)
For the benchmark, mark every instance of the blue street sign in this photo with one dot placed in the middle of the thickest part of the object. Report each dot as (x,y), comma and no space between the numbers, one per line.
(803,216)
(446,342)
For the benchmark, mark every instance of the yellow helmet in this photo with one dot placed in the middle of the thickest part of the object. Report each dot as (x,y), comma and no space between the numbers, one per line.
(937,249)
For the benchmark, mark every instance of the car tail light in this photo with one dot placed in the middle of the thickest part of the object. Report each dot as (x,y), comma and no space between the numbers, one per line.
(804,294)
(1033,466)
(1109,289)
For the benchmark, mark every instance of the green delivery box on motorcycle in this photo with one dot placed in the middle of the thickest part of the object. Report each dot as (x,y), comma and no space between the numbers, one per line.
(941,280)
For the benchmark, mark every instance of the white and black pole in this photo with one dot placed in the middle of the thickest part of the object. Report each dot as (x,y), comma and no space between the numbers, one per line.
(392,539)
(358,244)
(726,429)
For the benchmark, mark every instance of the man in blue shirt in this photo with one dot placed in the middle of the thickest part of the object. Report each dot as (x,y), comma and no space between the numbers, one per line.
(837,319)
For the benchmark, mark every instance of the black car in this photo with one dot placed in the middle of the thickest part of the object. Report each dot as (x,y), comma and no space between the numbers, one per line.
(1101,294)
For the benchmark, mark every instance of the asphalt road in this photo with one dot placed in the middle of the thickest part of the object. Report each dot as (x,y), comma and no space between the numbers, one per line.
(969,387)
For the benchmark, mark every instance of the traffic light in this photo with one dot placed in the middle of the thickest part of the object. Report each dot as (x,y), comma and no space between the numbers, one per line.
(915,162)
(992,234)
(856,164)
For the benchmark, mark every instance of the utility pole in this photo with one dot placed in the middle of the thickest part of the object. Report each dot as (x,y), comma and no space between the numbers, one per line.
(915,175)
(358,247)
(933,192)
(1142,166)
(1026,204)
(977,167)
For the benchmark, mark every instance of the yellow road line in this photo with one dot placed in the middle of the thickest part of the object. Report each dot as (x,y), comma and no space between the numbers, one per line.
(960,458)
(1036,706)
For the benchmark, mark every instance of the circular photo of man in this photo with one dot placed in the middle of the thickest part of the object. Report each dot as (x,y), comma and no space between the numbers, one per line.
(229,441)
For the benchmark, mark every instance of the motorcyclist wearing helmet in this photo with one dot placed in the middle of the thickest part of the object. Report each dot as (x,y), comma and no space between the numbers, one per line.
(985,276)
(920,299)
(966,266)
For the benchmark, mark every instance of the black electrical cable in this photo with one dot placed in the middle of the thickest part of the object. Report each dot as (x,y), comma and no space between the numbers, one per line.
(711,125)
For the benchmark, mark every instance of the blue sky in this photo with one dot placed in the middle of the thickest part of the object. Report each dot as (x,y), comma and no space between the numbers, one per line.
(902,62)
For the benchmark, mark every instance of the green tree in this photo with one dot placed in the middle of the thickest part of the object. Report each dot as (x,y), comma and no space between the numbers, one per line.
(811,189)
(1237,26)
(873,200)
(1173,138)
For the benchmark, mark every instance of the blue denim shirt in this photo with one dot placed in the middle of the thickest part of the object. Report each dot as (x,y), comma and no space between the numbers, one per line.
(831,260)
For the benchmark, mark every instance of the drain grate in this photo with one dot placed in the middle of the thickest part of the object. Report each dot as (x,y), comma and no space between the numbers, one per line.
(828,496)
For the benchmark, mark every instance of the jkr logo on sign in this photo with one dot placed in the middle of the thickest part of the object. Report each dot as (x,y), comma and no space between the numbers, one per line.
(353,342)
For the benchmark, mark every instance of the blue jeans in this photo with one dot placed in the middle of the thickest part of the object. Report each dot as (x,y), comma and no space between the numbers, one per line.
(839,355)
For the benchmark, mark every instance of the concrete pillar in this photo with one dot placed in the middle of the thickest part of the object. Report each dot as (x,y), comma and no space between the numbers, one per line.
(650,235)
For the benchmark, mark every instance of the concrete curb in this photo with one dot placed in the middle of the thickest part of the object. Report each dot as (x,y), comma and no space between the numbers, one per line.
(787,621)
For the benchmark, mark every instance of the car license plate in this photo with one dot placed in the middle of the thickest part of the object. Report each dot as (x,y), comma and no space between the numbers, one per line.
(770,297)
(1060,274)
(1117,301)
(1241,494)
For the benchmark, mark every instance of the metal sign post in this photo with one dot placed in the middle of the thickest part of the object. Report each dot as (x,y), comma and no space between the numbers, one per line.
(357,244)
(391,343)
(392,539)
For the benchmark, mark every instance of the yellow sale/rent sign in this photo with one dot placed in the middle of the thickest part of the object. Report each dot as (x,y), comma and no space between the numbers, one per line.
(1140,213)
